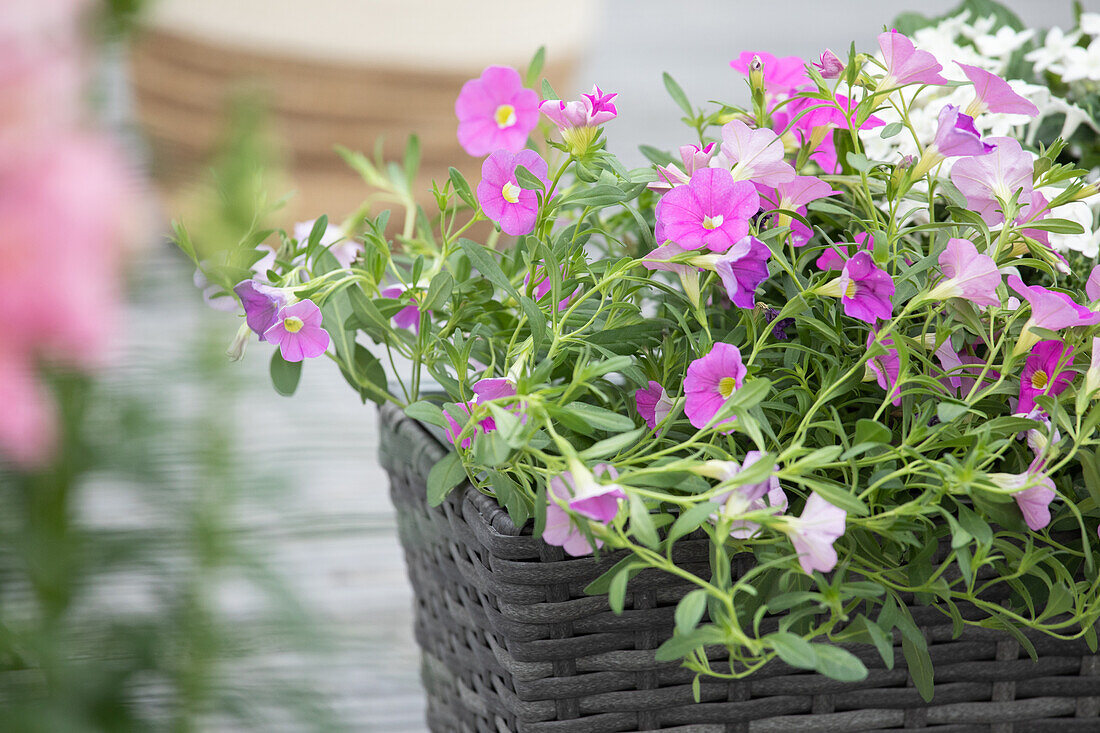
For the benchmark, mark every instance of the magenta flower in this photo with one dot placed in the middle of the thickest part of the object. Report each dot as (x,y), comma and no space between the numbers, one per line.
(407,317)
(694,157)
(561,529)
(781,75)
(591,110)
(500,196)
(905,64)
(864,289)
(742,269)
(595,500)
(814,532)
(711,211)
(969,275)
(993,94)
(495,112)
(710,381)
(298,333)
(830,259)
(455,428)
(886,369)
(653,404)
(1046,371)
(494,388)
(812,121)
(956,135)
(1092,285)
(1033,492)
(753,155)
(1004,175)
(830,66)
(261,304)
(1050,309)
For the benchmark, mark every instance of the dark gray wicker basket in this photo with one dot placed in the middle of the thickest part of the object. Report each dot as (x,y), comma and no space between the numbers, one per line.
(511,643)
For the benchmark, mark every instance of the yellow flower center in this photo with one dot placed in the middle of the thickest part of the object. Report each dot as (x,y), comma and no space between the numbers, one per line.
(850,291)
(293,324)
(1039,379)
(712,222)
(510,192)
(726,387)
(505,116)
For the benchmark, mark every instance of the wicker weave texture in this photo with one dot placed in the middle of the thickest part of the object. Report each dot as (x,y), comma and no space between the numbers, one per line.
(511,643)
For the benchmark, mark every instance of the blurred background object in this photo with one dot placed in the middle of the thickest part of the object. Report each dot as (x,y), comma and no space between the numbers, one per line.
(353,72)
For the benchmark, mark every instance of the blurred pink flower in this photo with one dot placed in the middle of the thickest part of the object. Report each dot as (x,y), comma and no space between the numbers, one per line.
(496,112)
(814,532)
(407,317)
(1092,285)
(905,64)
(27,420)
(781,75)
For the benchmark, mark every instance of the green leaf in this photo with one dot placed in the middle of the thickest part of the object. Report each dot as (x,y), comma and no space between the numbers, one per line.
(838,664)
(883,640)
(611,446)
(512,496)
(285,374)
(641,522)
(689,612)
(872,431)
(892,129)
(439,292)
(677,93)
(948,411)
(599,417)
(690,520)
(616,592)
(443,477)
(793,649)
(412,159)
(487,265)
(535,67)
(318,231)
(427,412)
(602,584)
(461,187)
(528,180)
(915,649)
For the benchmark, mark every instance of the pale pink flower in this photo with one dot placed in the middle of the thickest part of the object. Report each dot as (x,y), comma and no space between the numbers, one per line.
(27,421)
(993,94)
(905,64)
(814,532)
(593,499)
(298,333)
(753,155)
(1033,492)
(1050,309)
(495,112)
(561,529)
(830,66)
(660,259)
(1005,174)
(653,404)
(591,110)
(694,157)
(969,275)
(1092,285)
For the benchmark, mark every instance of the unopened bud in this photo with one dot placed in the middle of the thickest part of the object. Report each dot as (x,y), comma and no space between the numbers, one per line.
(235,352)
(756,75)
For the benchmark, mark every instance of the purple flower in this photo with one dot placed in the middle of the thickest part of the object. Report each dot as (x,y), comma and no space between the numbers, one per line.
(753,155)
(905,64)
(297,330)
(1092,285)
(653,404)
(993,94)
(830,259)
(830,66)
(886,369)
(710,381)
(1004,175)
(1033,492)
(1046,371)
(864,289)
(561,529)
(956,135)
(500,196)
(407,317)
(766,494)
(495,112)
(261,304)
(1050,309)
(711,211)
(694,157)
(969,275)
(814,532)
(742,269)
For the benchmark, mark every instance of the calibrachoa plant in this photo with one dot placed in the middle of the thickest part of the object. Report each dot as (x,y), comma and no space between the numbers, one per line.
(868,379)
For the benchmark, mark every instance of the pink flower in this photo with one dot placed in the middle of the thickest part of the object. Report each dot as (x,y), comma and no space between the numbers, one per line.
(1004,175)
(830,66)
(711,211)
(591,110)
(261,304)
(495,112)
(969,275)
(1052,310)
(864,289)
(1033,492)
(653,404)
(494,388)
(344,248)
(905,64)
(886,368)
(766,494)
(781,75)
(813,120)
(659,259)
(407,317)
(961,370)
(742,269)
(500,196)
(1092,285)
(298,333)
(814,533)
(956,135)
(462,412)
(544,286)
(797,192)
(595,500)
(710,381)
(830,259)
(1046,371)
(993,94)
(753,155)
(694,157)
(28,428)
(561,529)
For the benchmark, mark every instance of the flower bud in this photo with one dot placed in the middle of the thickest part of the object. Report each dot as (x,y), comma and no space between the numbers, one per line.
(236,349)
(756,75)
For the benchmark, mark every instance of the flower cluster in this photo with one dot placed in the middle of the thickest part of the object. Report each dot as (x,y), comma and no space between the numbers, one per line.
(872,375)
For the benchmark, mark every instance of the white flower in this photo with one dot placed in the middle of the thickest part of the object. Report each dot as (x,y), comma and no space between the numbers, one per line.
(1054,49)
(1003,43)
(980,27)
(1087,243)
(1081,63)
(1090,23)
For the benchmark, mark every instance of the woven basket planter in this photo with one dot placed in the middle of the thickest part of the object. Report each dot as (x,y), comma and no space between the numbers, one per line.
(511,643)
